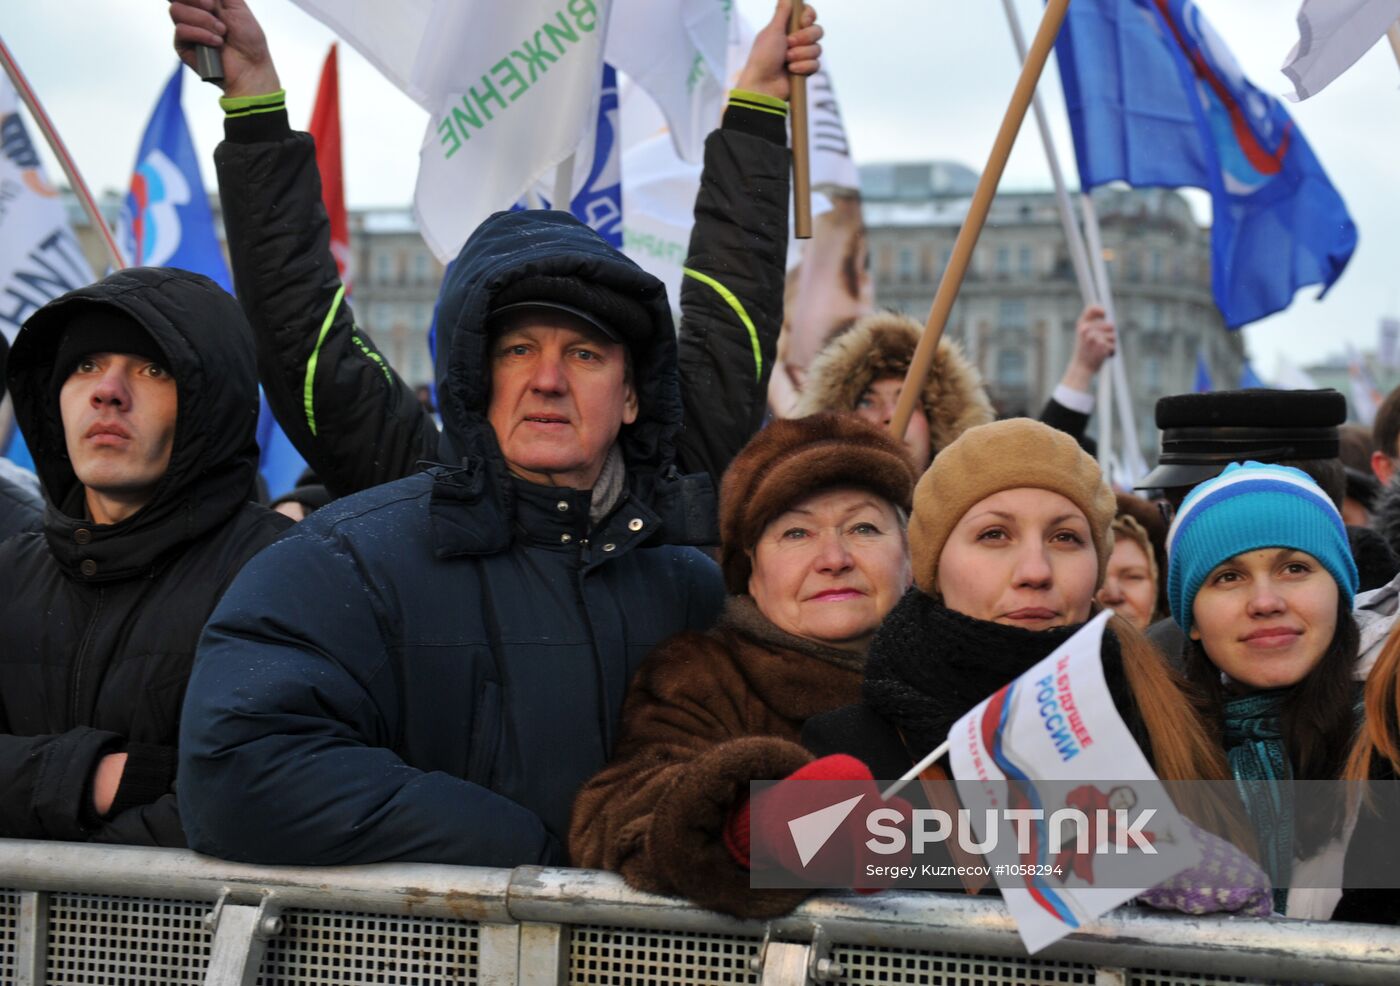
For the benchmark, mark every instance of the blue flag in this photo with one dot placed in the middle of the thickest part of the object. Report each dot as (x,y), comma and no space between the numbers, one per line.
(1202,384)
(166,222)
(1156,99)
(165,219)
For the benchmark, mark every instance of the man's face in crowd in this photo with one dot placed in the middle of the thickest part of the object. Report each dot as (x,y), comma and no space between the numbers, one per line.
(118,414)
(559,396)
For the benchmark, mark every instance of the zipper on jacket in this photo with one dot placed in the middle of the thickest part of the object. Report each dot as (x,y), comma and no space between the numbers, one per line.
(78,660)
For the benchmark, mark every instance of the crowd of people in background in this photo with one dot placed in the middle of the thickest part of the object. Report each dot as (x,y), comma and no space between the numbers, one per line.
(570,616)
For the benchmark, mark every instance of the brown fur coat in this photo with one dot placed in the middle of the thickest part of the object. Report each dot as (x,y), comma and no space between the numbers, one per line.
(882,345)
(705,715)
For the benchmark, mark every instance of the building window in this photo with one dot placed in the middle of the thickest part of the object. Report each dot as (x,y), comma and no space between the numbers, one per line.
(1155,316)
(1011,368)
(382,268)
(1023,261)
(907,267)
(1152,373)
(1011,314)
(1157,265)
(420,268)
(1003,261)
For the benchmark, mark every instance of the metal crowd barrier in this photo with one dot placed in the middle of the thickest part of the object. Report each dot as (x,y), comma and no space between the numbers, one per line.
(84,914)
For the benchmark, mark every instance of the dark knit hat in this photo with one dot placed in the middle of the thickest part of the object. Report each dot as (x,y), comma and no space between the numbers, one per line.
(1203,433)
(620,318)
(101,329)
(792,459)
(1004,455)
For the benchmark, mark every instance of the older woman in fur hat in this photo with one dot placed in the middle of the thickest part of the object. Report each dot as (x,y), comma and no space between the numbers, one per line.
(863,369)
(814,555)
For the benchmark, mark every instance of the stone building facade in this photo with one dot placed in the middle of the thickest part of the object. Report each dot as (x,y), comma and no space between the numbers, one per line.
(1016,310)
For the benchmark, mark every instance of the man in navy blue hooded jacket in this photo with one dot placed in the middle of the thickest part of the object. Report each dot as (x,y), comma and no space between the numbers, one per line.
(429,669)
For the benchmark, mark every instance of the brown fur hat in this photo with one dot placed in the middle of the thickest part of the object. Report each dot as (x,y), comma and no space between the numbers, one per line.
(882,345)
(792,459)
(1005,455)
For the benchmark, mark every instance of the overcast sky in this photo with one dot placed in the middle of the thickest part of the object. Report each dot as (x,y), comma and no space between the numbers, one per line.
(917,79)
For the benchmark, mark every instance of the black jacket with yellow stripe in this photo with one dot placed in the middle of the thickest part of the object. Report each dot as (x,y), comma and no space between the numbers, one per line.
(357,422)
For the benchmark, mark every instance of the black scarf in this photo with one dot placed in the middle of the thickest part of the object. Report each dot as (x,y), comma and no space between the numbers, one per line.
(928,666)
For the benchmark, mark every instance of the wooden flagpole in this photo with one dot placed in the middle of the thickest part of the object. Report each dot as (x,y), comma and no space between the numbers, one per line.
(1092,293)
(801,149)
(977,214)
(75,180)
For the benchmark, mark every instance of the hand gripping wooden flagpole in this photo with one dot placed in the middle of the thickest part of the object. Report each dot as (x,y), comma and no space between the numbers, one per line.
(801,150)
(75,180)
(977,214)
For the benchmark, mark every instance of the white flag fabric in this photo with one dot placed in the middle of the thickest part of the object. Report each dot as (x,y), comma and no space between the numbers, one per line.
(1056,733)
(511,89)
(677,50)
(659,184)
(1332,35)
(1289,377)
(40,258)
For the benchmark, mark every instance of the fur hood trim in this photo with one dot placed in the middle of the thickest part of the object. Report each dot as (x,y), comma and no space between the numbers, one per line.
(882,345)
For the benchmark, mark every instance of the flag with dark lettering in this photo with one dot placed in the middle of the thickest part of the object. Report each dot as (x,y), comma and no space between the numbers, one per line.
(510,89)
(165,220)
(40,258)
(1156,99)
(1082,823)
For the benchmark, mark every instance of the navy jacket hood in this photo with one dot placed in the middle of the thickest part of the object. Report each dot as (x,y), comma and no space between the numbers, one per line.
(510,246)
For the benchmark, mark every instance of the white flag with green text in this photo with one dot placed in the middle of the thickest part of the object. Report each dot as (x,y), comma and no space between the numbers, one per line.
(510,88)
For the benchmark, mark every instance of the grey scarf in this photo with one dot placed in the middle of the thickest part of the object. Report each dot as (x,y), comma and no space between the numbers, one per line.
(607,491)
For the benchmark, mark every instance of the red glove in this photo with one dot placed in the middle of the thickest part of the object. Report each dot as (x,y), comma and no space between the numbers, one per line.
(763,822)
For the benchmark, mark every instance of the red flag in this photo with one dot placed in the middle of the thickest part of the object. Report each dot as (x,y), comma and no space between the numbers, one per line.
(325,128)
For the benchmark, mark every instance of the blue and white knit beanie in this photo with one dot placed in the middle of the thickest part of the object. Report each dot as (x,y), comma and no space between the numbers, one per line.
(1245,508)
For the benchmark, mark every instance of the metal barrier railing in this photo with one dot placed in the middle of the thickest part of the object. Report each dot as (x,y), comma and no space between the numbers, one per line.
(79,915)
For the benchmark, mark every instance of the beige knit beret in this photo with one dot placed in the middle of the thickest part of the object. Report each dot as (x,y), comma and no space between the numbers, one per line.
(1004,455)
(792,459)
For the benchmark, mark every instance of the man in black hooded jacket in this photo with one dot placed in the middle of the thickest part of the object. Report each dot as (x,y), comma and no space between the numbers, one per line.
(138,398)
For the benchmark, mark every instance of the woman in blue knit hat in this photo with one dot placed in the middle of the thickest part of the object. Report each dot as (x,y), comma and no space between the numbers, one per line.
(1261,579)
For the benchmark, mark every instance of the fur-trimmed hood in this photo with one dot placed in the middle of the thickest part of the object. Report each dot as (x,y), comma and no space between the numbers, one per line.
(882,345)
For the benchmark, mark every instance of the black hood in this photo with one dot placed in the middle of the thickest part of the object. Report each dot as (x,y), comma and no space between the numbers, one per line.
(208,347)
(504,249)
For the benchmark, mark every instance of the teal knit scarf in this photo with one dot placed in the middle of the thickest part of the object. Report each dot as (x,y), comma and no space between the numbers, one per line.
(1259,763)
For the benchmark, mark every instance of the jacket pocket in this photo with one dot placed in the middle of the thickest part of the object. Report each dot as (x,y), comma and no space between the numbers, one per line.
(486,734)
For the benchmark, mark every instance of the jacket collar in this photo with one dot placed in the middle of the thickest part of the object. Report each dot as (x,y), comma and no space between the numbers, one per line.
(476,511)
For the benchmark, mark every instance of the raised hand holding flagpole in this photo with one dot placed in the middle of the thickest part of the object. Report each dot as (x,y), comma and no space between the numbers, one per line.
(801,149)
(977,214)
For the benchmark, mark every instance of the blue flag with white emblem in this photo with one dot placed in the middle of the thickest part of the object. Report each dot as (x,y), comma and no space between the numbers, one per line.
(166,222)
(1156,99)
(165,219)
